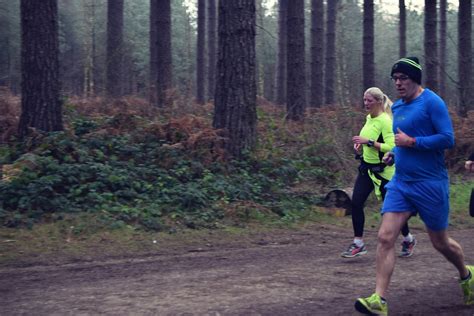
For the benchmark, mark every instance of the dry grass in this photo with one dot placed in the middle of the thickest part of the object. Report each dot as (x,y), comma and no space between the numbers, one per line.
(188,125)
(10,114)
(464,135)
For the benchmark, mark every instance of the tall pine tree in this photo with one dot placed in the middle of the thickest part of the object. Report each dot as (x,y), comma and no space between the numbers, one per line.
(201,53)
(160,52)
(236,90)
(465,56)
(368,66)
(281,68)
(296,79)
(330,65)
(317,52)
(114,48)
(40,100)
(431,46)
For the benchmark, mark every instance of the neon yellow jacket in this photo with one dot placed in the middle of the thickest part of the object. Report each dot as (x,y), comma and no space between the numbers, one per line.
(380,130)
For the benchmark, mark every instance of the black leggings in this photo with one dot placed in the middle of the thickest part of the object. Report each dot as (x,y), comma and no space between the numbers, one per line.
(362,188)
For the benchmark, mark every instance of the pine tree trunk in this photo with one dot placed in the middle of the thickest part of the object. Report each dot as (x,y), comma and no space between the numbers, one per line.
(431,45)
(89,47)
(465,56)
(296,81)
(368,66)
(317,52)
(212,40)
(235,98)
(201,53)
(160,24)
(280,78)
(114,47)
(402,29)
(259,63)
(40,100)
(442,47)
(152,89)
(330,69)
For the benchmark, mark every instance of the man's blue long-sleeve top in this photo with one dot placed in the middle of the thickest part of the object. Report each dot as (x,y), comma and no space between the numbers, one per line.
(425,118)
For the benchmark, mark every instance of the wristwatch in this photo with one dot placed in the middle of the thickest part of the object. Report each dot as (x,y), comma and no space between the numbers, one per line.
(370,143)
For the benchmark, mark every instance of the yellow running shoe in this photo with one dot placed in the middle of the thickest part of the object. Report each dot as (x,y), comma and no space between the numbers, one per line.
(467,287)
(372,305)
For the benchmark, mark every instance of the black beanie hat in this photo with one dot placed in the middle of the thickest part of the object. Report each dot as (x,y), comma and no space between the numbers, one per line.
(410,66)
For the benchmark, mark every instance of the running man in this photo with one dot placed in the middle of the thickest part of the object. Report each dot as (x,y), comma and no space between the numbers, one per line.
(423,130)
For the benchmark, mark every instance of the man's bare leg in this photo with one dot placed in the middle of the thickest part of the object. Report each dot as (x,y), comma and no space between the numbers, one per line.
(385,257)
(450,249)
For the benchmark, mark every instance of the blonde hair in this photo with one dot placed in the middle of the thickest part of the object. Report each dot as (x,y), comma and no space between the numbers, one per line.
(381,97)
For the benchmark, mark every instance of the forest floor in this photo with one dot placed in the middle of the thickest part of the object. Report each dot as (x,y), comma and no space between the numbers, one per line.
(265,272)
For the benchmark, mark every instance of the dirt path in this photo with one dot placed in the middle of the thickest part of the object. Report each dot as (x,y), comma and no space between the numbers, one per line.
(297,273)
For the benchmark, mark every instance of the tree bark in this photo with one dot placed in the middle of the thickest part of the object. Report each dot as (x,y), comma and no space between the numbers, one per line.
(114,48)
(330,69)
(368,66)
(89,47)
(152,90)
(212,40)
(296,80)
(160,49)
(235,98)
(40,100)
(201,53)
(431,46)
(465,56)
(317,52)
(280,78)
(442,47)
(402,29)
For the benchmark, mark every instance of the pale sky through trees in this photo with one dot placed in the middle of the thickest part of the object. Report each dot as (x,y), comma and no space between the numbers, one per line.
(387,5)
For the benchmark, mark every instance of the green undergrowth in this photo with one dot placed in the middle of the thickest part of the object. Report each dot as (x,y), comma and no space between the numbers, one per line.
(155,175)
(136,175)
(460,192)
